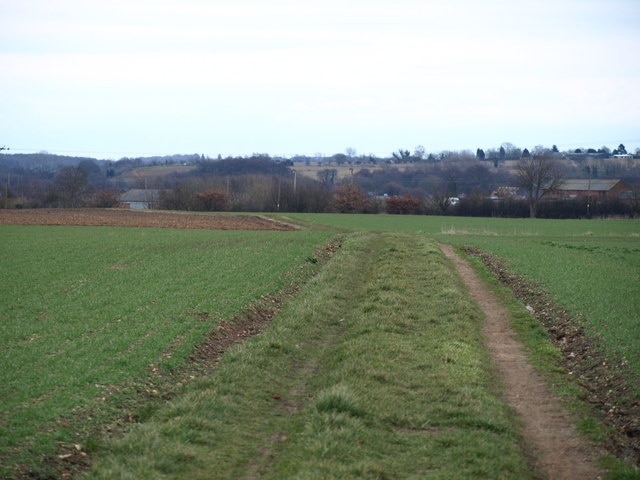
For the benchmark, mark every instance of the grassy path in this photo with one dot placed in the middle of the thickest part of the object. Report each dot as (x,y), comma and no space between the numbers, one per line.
(376,370)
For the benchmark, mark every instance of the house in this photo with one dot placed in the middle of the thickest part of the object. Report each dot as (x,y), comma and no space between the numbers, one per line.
(505,192)
(590,187)
(140,199)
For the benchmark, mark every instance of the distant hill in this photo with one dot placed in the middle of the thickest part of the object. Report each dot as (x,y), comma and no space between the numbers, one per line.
(44,162)
(47,162)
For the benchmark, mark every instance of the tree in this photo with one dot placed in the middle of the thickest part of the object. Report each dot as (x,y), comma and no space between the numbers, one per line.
(511,151)
(622,150)
(480,154)
(538,175)
(351,199)
(403,205)
(328,177)
(402,156)
(182,197)
(392,188)
(106,198)
(70,185)
(95,176)
(606,151)
(340,158)
(440,199)
(213,200)
(635,199)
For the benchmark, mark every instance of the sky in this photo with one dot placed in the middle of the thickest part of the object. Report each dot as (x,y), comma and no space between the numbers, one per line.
(130,78)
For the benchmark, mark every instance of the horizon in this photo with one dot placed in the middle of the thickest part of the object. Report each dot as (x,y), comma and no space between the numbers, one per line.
(8,151)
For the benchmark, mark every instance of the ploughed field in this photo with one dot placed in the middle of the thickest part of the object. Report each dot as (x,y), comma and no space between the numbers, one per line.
(138,218)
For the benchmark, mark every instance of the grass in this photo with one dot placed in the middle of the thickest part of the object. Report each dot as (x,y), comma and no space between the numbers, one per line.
(591,267)
(547,359)
(85,310)
(597,280)
(375,371)
(476,226)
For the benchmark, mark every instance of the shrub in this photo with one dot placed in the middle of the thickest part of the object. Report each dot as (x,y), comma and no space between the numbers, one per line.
(351,199)
(404,205)
(212,200)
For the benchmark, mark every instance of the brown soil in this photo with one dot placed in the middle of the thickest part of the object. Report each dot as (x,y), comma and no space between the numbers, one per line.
(557,449)
(139,218)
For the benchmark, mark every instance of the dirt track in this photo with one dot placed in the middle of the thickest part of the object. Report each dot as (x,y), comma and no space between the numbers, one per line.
(139,218)
(558,450)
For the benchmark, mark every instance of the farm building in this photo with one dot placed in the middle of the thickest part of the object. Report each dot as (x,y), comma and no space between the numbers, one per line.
(140,199)
(505,192)
(595,187)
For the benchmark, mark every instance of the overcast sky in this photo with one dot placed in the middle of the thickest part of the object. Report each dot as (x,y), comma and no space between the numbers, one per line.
(234,77)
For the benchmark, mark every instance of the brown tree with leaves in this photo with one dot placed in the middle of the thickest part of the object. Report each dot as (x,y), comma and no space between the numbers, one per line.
(213,200)
(351,199)
(403,205)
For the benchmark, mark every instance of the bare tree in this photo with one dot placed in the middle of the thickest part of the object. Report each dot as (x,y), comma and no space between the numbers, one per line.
(511,152)
(71,184)
(538,175)
(328,177)
(440,199)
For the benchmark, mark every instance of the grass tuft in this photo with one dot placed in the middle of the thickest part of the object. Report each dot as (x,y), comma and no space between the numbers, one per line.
(338,399)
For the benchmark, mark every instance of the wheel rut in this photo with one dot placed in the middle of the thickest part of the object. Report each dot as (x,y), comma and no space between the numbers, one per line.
(558,451)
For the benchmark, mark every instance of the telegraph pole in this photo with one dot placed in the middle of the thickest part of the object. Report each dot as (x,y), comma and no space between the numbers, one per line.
(6,190)
(295,177)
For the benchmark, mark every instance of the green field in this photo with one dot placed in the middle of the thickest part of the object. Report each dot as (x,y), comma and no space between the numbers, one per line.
(591,267)
(87,308)
(356,378)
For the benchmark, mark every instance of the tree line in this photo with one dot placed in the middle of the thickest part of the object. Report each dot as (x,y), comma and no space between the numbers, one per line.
(449,183)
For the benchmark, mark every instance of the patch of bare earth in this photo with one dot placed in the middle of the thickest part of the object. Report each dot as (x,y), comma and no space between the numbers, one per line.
(558,451)
(139,218)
